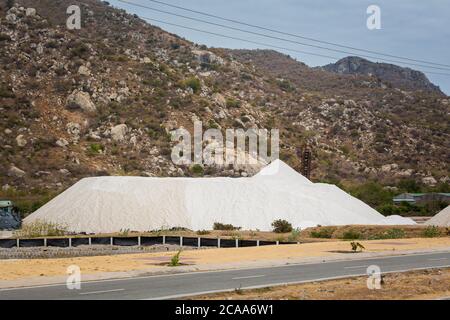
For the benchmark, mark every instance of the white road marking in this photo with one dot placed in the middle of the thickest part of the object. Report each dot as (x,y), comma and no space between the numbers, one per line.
(437,259)
(356,267)
(104,291)
(249,277)
(381,257)
(193,294)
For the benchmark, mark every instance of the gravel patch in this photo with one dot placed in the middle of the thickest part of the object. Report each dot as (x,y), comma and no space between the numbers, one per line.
(82,251)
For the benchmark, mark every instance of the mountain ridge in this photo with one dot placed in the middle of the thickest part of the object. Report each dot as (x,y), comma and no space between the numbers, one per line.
(397,76)
(103,100)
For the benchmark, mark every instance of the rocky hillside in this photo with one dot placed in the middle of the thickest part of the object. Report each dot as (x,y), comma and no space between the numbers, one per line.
(395,76)
(102,101)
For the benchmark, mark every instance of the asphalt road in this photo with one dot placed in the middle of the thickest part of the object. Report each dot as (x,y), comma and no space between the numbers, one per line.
(179,285)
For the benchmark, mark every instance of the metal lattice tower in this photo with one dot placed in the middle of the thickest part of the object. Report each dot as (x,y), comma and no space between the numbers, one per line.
(306,161)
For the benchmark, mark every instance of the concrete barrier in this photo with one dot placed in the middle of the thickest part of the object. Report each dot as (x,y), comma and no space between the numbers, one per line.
(136,241)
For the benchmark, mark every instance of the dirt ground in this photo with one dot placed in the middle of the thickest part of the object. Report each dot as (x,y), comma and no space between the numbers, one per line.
(207,258)
(425,284)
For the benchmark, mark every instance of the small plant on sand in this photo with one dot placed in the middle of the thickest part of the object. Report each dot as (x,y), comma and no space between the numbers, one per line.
(356,246)
(175,261)
(431,232)
(40,228)
(203,232)
(281,226)
(124,232)
(238,291)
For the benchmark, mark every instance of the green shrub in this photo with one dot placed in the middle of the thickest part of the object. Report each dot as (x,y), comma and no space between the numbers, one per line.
(221,226)
(324,233)
(203,232)
(394,233)
(212,124)
(197,170)
(389,209)
(233,103)
(193,83)
(431,232)
(27,206)
(79,50)
(178,229)
(294,235)
(281,226)
(372,193)
(6,93)
(95,148)
(351,235)
(285,85)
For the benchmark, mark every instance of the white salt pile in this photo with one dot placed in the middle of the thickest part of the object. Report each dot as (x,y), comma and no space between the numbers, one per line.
(111,204)
(441,219)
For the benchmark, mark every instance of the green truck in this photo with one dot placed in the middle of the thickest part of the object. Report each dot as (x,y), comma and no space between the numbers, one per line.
(9,217)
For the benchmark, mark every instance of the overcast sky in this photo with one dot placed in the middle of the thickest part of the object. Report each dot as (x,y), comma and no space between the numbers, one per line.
(409,28)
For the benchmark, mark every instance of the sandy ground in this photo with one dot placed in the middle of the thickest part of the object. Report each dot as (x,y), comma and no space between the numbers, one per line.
(425,284)
(6,234)
(209,259)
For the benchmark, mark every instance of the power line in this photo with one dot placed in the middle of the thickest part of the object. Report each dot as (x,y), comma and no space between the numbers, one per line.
(278,38)
(255,42)
(239,39)
(295,35)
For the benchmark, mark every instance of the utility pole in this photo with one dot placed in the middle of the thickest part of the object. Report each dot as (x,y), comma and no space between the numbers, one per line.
(306,156)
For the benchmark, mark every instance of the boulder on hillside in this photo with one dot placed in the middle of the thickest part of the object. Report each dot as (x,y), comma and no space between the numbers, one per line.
(21,141)
(118,132)
(16,172)
(31,12)
(81,100)
(84,71)
(429,181)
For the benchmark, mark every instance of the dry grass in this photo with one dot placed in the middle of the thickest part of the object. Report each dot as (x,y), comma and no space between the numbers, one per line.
(40,228)
(425,284)
(371,232)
